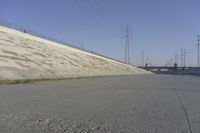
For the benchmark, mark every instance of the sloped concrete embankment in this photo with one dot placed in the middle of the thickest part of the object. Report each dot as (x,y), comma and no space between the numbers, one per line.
(25,57)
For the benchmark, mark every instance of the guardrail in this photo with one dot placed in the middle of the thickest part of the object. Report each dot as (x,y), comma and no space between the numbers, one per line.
(31,32)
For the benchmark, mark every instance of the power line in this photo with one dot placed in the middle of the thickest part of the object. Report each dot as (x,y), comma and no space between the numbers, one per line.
(111,8)
(103,11)
(85,10)
(98,11)
(95,18)
(114,8)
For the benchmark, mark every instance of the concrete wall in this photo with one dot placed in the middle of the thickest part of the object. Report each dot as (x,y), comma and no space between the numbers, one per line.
(24,56)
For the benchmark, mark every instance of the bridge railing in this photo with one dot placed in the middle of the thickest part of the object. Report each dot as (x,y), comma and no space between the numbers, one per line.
(31,32)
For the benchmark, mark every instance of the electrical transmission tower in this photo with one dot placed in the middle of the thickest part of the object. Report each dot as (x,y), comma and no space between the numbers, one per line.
(142,58)
(127,44)
(176,58)
(183,57)
(198,51)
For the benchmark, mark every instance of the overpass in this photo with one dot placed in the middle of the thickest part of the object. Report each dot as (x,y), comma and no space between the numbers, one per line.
(174,68)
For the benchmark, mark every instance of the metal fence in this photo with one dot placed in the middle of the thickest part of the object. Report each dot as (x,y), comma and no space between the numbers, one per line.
(31,32)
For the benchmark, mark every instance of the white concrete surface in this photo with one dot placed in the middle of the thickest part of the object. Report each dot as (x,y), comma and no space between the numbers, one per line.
(23,56)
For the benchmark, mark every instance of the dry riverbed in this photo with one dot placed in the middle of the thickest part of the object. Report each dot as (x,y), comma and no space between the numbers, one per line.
(124,104)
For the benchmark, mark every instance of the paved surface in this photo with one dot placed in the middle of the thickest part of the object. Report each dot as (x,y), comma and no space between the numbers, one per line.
(124,104)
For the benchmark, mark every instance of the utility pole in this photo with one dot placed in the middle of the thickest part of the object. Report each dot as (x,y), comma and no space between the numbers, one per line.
(198,51)
(183,57)
(127,45)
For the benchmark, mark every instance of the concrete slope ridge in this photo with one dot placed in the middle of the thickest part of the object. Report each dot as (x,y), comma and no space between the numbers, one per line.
(24,56)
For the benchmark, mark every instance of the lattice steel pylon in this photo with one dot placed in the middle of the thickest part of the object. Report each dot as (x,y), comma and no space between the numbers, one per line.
(127,45)
(183,57)
(176,58)
(142,58)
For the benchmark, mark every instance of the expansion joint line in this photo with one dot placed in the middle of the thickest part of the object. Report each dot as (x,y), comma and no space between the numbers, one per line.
(184,109)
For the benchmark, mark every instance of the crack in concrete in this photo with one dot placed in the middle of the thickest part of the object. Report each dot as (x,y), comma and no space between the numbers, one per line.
(184,110)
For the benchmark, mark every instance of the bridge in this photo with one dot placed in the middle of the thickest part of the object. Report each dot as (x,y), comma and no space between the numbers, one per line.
(169,69)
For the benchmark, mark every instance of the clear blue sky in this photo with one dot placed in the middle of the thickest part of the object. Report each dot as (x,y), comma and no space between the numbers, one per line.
(160,27)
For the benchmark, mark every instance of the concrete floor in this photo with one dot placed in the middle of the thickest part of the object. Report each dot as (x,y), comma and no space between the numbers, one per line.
(124,104)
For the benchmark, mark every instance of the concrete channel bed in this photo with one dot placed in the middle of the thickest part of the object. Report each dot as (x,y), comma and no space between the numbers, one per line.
(117,104)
